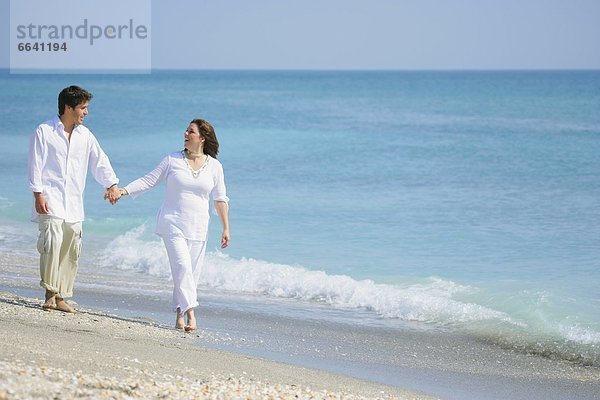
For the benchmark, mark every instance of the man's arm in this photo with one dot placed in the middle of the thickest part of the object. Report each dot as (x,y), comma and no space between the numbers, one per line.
(103,172)
(35,164)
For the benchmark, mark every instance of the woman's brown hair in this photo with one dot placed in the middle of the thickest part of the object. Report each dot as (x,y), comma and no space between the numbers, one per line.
(211,144)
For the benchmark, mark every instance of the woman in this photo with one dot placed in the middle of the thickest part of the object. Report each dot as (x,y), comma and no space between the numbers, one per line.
(192,175)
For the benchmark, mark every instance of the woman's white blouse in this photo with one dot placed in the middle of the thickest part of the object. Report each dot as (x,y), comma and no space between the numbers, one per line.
(185,209)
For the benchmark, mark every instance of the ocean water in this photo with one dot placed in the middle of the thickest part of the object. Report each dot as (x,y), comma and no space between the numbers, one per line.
(465,201)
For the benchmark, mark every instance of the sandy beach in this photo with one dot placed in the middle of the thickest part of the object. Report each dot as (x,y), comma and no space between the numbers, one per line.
(122,345)
(94,355)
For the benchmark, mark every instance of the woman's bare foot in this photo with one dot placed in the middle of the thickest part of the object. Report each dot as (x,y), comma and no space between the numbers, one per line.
(179,322)
(191,321)
(50,303)
(61,305)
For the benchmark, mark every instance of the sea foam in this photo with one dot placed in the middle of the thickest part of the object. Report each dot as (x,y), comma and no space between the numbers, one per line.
(580,335)
(430,300)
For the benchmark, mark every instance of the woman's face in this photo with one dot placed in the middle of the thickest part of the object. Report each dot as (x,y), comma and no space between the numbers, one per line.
(192,138)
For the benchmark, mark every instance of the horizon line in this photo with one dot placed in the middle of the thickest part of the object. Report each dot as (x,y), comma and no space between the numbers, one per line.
(161,69)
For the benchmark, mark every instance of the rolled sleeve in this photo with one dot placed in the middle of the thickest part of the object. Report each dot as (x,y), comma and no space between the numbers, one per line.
(219,192)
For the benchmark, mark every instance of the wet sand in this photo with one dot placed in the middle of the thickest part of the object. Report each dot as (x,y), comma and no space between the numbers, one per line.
(93,355)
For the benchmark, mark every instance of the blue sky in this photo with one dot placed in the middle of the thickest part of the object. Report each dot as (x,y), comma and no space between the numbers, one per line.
(375,34)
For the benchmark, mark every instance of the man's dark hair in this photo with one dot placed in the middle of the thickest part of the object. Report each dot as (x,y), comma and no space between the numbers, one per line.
(72,96)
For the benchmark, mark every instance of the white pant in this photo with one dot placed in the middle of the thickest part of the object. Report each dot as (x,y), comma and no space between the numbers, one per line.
(59,245)
(185,258)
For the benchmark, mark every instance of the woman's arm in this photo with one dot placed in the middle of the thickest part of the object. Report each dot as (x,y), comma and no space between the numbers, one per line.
(147,181)
(221,201)
(223,210)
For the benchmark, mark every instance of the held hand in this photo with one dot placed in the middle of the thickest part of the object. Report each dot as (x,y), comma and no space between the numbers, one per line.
(113,194)
(225,239)
(41,204)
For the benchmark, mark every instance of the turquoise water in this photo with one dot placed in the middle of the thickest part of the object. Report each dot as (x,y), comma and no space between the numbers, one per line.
(462,200)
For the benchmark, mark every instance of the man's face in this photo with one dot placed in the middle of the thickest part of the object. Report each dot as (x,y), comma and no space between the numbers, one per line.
(78,113)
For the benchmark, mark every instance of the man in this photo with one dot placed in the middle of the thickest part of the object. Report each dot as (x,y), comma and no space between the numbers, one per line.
(61,151)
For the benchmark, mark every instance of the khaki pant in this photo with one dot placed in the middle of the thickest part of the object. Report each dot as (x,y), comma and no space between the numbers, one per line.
(59,245)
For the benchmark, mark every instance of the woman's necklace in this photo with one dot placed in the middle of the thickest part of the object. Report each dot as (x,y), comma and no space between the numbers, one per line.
(195,174)
(192,153)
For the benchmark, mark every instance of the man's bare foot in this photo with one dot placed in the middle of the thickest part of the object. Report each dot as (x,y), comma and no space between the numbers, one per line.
(179,322)
(62,305)
(50,303)
(191,321)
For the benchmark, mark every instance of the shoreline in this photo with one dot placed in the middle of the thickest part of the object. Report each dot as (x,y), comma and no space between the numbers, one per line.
(372,362)
(404,356)
(123,358)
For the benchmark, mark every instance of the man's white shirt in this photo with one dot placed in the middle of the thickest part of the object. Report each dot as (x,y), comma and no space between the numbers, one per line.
(58,168)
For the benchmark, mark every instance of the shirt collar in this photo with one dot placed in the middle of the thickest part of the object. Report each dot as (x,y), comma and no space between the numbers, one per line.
(56,122)
(59,126)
